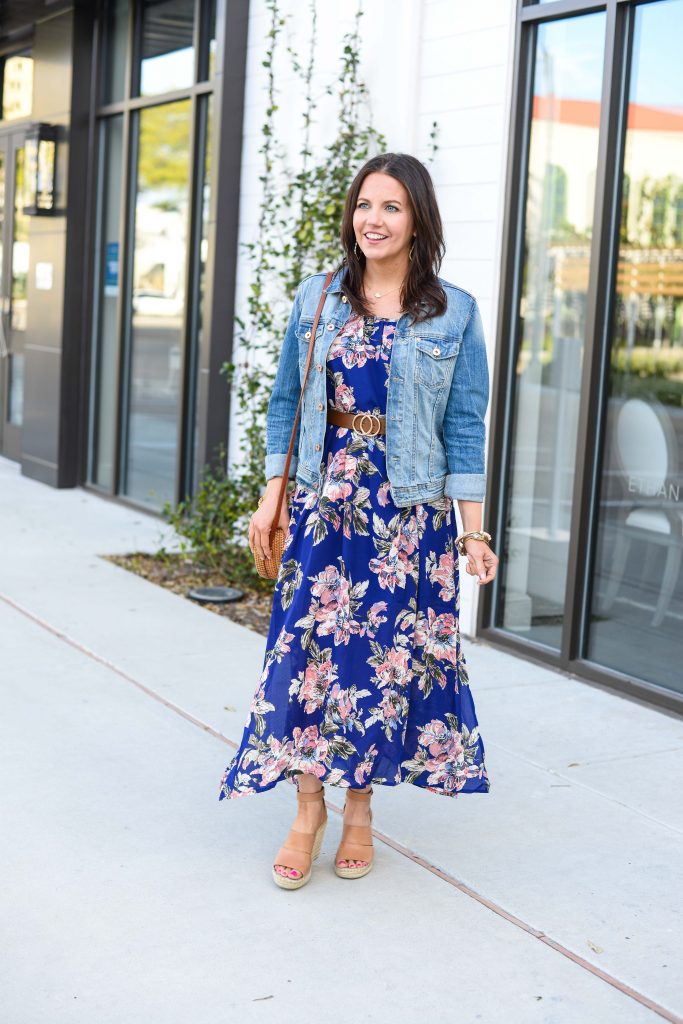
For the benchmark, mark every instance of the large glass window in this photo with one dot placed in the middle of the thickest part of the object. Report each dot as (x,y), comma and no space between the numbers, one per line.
(199,287)
(18,294)
(167,46)
(158,301)
(562,159)
(17,86)
(637,610)
(151,248)
(589,419)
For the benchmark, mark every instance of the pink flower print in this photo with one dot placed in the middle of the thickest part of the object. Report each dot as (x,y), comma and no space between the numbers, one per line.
(339,471)
(310,751)
(344,398)
(329,584)
(282,644)
(339,621)
(364,769)
(454,766)
(387,341)
(394,670)
(311,499)
(390,570)
(390,706)
(270,760)
(375,619)
(340,705)
(350,344)
(440,639)
(259,704)
(450,776)
(317,679)
(441,741)
(383,493)
(408,536)
(444,573)
(334,610)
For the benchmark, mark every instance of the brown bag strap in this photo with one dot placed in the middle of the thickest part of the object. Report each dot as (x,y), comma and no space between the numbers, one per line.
(311,344)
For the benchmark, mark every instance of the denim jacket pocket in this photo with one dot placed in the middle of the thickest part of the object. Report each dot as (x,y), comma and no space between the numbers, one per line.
(435,360)
(304,336)
(304,328)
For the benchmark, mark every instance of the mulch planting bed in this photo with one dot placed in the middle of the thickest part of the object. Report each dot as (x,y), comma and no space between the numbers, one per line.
(176,572)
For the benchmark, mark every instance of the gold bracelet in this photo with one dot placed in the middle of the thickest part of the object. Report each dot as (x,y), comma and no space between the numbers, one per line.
(476,534)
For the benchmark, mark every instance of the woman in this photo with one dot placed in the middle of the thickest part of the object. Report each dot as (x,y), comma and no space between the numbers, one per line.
(364,681)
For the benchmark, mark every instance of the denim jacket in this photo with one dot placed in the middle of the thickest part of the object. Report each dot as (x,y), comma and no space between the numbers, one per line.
(438,390)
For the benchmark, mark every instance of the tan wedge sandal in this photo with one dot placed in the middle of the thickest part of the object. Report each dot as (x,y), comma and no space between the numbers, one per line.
(356,842)
(300,849)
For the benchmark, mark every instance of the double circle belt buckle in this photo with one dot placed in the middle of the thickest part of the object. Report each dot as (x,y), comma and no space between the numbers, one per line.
(374,421)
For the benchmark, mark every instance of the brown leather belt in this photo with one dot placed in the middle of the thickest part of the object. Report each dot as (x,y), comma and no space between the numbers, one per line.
(362,422)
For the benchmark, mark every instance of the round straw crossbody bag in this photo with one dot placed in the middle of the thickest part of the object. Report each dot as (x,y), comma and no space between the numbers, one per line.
(268,568)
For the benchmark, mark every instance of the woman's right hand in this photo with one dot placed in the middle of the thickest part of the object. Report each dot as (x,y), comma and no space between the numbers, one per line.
(262,519)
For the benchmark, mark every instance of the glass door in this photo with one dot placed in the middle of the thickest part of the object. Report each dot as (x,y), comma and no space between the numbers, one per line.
(14,264)
(560,197)
(636,617)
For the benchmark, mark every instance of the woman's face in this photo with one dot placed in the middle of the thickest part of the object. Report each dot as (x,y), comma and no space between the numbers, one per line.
(383,220)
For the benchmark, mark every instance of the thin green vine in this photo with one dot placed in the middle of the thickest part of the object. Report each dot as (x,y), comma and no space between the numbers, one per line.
(298,234)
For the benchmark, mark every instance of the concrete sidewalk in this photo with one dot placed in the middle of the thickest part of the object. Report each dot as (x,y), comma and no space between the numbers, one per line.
(130,894)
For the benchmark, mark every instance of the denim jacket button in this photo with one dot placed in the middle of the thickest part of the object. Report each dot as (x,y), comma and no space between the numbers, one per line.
(320,367)
(344,299)
(436,350)
(320,406)
(317,447)
(307,334)
(330,327)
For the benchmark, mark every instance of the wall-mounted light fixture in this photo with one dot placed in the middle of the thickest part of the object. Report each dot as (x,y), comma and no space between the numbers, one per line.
(40,168)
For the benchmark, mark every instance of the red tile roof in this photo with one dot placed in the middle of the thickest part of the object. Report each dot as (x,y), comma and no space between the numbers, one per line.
(586,113)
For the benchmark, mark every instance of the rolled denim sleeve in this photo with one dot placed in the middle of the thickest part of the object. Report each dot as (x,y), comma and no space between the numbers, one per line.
(283,400)
(464,429)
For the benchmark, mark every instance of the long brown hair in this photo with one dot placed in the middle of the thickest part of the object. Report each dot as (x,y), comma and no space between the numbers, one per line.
(421,293)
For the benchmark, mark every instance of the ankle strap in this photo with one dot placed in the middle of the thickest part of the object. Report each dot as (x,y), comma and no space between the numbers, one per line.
(357,795)
(305,797)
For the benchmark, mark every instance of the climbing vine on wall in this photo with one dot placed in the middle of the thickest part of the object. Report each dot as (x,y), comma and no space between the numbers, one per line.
(298,234)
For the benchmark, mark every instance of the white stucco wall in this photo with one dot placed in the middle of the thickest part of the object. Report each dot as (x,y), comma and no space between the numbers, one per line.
(448,61)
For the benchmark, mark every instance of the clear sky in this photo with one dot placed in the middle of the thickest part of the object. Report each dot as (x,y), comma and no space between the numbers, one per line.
(574,47)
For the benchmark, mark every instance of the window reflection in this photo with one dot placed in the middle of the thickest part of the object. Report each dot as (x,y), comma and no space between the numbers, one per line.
(115,65)
(638,582)
(17,86)
(109,260)
(167,46)
(212,40)
(563,151)
(19,293)
(158,302)
(199,329)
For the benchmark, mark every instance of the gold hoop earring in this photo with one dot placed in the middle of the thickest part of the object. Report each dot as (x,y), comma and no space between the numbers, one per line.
(355,250)
(410,254)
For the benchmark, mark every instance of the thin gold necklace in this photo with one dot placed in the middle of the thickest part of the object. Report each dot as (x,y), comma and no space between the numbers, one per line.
(380,295)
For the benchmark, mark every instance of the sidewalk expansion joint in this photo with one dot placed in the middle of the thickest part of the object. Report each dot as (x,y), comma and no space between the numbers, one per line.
(400,848)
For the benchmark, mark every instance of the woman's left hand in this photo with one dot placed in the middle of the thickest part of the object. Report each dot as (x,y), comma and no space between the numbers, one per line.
(482,562)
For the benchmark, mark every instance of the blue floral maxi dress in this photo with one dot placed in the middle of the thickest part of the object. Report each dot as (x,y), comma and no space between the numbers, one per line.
(364,680)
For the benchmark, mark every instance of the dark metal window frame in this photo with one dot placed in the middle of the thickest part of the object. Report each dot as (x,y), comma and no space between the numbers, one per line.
(231,44)
(596,359)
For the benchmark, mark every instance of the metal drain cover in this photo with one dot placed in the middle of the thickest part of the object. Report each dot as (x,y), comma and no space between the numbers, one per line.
(215,595)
